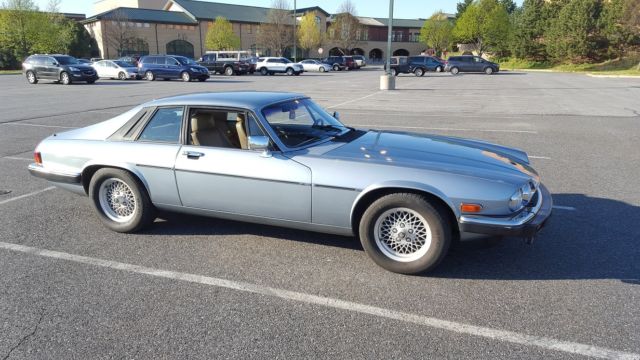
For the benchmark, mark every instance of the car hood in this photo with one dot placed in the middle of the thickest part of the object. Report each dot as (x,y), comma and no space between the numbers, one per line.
(465,156)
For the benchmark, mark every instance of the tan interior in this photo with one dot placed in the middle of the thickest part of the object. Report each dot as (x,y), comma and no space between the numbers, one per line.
(204,131)
(242,134)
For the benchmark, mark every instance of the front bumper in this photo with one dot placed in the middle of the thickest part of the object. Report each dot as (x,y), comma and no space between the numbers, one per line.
(525,224)
(54,176)
(84,76)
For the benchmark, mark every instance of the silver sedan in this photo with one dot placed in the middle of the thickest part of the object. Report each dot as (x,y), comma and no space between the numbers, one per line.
(315,65)
(280,159)
(115,69)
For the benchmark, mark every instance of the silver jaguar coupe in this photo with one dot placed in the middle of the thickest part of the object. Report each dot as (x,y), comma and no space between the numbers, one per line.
(280,159)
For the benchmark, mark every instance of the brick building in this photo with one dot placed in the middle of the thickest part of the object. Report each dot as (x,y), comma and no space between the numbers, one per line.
(180,26)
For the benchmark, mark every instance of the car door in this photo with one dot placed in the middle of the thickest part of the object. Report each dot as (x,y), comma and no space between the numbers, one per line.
(216,175)
(50,68)
(173,68)
(478,63)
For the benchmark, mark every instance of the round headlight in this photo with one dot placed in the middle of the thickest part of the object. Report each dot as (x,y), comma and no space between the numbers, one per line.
(515,201)
(527,193)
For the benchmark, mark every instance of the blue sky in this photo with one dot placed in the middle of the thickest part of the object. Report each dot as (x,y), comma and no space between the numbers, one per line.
(410,9)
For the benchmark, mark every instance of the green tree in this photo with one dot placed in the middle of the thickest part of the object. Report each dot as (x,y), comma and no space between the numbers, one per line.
(528,31)
(437,32)
(615,27)
(461,7)
(220,36)
(572,35)
(485,24)
(309,36)
(508,5)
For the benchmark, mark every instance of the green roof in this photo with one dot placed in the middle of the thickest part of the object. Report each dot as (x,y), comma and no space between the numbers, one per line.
(210,10)
(410,23)
(144,15)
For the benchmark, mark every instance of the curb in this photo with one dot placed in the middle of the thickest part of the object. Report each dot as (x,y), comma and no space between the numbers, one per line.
(614,76)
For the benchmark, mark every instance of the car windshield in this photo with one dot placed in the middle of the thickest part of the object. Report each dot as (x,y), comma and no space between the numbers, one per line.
(66,60)
(302,122)
(123,64)
(186,61)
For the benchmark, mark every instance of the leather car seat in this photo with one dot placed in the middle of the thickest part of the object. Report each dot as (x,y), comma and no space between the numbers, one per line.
(204,131)
(242,134)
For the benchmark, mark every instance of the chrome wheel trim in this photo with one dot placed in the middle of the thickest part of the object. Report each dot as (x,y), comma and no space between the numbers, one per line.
(117,200)
(65,78)
(149,75)
(402,234)
(31,77)
(122,76)
(186,76)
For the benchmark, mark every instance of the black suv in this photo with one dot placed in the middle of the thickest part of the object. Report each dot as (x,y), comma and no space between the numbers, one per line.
(63,68)
(338,63)
(421,64)
(468,63)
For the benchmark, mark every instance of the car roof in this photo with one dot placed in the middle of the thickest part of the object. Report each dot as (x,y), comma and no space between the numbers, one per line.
(254,100)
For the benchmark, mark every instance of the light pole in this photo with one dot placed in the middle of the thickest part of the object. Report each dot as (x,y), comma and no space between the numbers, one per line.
(388,81)
(295,27)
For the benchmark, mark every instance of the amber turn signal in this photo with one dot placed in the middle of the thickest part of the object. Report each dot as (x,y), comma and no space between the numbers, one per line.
(37,157)
(470,208)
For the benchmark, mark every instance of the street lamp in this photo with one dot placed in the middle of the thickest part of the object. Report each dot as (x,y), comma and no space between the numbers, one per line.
(388,81)
(295,26)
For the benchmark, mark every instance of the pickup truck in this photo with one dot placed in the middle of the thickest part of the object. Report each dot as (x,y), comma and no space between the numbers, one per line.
(223,65)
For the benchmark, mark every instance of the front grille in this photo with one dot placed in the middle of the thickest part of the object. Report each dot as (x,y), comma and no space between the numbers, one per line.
(88,72)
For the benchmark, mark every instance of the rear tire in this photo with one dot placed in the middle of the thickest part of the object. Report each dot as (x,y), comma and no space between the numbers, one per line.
(121,200)
(438,68)
(149,76)
(455,70)
(336,67)
(229,71)
(65,79)
(405,233)
(394,72)
(31,77)
(419,72)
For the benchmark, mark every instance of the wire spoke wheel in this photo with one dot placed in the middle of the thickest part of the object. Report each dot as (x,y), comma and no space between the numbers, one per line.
(117,200)
(402,234)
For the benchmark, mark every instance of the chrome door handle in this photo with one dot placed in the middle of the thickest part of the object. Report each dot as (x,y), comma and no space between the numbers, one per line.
(193,154)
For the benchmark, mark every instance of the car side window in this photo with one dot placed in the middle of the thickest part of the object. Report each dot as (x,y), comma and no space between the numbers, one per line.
(49,61)
(477,59)
(164,126)
(253,129)
(172,61)
(217,128)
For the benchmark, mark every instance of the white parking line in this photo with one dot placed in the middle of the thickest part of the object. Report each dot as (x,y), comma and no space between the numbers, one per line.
(568,208)
(40,125)
(26,195)
(461,328)
(353,100)
(448,129)
(539,157)
(17,158)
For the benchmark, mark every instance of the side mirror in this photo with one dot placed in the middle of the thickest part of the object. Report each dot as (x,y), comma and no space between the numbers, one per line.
(336,115)
(259,143)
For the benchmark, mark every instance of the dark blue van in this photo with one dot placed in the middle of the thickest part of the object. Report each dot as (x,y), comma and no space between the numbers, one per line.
(171,67)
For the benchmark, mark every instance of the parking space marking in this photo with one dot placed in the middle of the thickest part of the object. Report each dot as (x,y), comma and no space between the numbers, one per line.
(17,158)
(539,157)
(452,326)
(450,129)
(40,125)
(26,195)
(353,100)
(568,208)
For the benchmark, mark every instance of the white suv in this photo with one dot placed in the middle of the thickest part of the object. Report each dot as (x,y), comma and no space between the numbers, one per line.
(272,65)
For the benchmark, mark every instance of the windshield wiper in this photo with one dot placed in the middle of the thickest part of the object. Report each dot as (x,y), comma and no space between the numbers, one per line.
(328,127)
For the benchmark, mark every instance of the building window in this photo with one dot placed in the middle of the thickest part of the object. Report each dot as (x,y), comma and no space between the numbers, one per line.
(180,47)
(249,29)
(139,25)
(147,25)
(317,19)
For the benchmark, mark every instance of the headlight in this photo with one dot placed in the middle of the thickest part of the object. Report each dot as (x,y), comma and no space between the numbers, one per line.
(73,68)
(195,69)
(515,201)
(521,197)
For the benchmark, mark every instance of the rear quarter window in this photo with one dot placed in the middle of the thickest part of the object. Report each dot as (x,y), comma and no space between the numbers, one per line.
(164,126)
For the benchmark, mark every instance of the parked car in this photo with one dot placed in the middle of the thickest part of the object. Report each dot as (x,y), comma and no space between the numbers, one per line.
(171,67)
(419,65)
(280,159)
(130,59)
(469,63)
(360,61)
(314,65)
(224,63)
(339,63)
(272,65)
(61,68)
(116,69)
(399,65)
(252,61)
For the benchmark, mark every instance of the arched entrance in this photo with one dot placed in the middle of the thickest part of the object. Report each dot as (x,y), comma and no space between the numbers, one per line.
(357,51)
(401,52)
(336,52)
(375,54)
(180,47)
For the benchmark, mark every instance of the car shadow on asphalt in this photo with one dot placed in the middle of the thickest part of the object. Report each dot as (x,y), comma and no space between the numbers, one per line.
(600,239)
(179,224)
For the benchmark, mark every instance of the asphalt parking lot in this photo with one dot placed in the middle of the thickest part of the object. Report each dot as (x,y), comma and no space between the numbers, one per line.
(193,287)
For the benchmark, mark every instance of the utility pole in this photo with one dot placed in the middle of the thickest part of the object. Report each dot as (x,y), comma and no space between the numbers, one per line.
(388,81)
(295,27)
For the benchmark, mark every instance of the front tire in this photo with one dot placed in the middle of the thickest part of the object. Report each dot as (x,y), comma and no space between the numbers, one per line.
(65,79)
(322,69)
(121,200)
(394,72)
(264,71)
(186,77)
(122,76)
(289,71)
(488,71)
(31,77)
(405,233)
